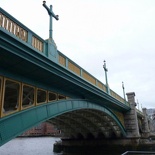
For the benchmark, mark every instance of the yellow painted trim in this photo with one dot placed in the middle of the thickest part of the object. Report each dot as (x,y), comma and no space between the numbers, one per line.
(34,103)
(36,96)
(52,93)
(61,95)
(14,111)
(62,60)
(20,108)
(13,27)
(1,94)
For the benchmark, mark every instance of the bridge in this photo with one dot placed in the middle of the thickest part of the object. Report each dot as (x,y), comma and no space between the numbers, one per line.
(39,83)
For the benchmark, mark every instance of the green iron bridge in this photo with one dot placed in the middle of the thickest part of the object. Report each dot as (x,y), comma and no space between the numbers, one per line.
(39,83)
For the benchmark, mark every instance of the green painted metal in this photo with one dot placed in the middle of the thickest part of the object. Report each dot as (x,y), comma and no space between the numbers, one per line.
(15,124)
(62,80)
(124,92)
(52,48)
(40,71)
(51,14)
(23,54)
(106,77)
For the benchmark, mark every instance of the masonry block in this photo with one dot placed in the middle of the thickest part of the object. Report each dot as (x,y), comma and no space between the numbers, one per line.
(130,118)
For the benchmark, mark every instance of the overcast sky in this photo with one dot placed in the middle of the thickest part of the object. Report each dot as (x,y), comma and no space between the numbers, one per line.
(122,32)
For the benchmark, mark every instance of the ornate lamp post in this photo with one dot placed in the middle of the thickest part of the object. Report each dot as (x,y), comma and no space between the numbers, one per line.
(106,77)
(124,92)
(51,14)
(51,48)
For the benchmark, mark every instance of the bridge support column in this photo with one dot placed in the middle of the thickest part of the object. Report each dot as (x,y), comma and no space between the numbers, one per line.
(52,50)
(145,125)
(130,118)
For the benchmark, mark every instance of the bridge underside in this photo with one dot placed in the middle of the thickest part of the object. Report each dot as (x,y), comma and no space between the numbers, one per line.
(87,124)
(76,119)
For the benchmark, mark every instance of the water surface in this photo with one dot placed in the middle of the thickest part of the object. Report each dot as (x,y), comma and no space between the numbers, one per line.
(29,146)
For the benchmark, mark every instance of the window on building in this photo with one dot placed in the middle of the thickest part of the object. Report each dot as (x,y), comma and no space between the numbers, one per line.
(11,96)
(28,96)
(41,96)
(38,127)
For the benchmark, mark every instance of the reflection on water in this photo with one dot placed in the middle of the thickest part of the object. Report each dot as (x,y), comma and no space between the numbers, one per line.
(29,146)
(44,146)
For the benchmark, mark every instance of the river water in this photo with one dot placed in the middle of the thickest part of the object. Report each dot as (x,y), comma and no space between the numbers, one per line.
(29,146)
(39,146)
(44,146)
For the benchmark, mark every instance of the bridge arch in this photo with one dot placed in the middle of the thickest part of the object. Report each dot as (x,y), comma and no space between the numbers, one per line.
(87,121)
(15,124)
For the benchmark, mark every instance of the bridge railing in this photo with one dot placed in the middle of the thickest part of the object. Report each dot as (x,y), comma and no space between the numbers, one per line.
(118,97)
(140,113)
(16,28)
(76,69)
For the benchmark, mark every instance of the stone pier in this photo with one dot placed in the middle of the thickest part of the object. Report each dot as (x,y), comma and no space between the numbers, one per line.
(145,125)
(137,138)
(130,118)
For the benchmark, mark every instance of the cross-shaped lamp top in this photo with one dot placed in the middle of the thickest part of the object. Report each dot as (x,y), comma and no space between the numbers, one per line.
(104,66)
(51,14)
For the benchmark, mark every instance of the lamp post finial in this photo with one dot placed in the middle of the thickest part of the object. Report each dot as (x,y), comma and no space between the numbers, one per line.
(106,77)
(51,14)
(124,92)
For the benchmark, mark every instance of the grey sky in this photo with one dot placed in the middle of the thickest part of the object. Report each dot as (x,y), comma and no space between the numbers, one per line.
(121,32)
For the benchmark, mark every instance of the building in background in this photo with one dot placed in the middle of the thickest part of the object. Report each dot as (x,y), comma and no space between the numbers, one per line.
(43,129)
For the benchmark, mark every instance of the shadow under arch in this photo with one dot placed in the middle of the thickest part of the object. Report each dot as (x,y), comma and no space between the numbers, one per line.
(15,124)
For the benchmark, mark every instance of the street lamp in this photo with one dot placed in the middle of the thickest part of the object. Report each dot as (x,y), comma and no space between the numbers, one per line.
(124,92)
(51,14)
(106,77)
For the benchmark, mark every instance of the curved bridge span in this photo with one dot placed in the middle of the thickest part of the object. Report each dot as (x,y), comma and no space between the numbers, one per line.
(39,83)
(73,117)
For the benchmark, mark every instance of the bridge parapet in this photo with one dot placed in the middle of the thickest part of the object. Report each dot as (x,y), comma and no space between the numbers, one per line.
(16,28)
(48,48)
(76,69)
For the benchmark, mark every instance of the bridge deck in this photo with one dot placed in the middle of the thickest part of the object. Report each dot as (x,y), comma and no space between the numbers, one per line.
(24,58)
(33,78)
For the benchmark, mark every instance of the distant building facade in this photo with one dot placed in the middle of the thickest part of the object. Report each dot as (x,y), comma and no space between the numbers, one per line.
(43,129)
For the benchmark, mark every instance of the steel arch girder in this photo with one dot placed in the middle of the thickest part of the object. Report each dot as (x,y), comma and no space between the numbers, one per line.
(15,124)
